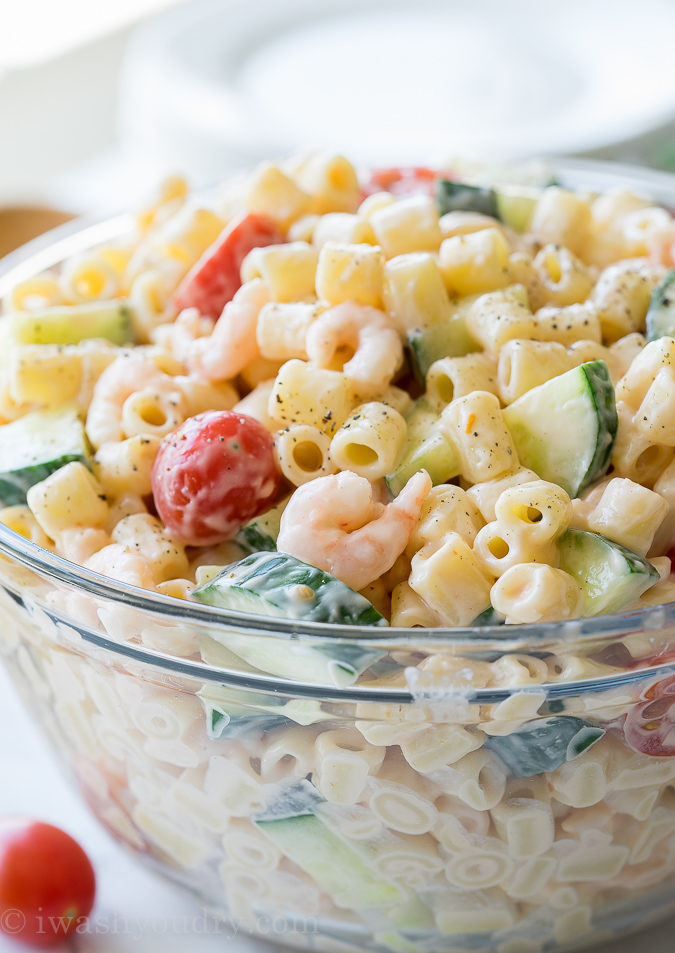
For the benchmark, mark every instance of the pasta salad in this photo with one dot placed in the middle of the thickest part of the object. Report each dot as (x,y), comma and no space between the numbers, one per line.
(397,399)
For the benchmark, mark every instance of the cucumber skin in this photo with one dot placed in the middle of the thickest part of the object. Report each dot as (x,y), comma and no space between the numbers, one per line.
(602,392)
(266,576)
(571,547)
(15,484)
(545,745)
(448,339)
(260,534)
(253,540)
(461,197)
(660,319)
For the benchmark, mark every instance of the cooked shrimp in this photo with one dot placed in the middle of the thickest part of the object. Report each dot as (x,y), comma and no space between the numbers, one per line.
(377,351)
(334,524)
(133,373)
(233,343)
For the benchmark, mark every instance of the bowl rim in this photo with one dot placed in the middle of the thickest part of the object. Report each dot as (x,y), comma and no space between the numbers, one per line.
(80,234)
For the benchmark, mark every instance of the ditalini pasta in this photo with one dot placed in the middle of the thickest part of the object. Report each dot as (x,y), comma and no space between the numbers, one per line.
(426,423)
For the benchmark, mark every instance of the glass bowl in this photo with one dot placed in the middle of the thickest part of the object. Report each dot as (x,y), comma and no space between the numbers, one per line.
(353,788)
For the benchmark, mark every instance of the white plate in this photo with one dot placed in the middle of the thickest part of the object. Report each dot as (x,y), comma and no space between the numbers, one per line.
(391,81)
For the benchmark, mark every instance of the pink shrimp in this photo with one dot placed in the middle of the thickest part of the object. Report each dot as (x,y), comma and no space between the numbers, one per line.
(334,523)
(233,343)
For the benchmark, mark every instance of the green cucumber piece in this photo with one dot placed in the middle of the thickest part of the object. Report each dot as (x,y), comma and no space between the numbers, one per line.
(112,320)
(450,338)
(660,319)
(511,204)
(488,616)
(277,584)
(36,445)
(335,663)
(427,448)
(461,197)
(261,534)
(565,429)
(610,576)
(337,868)
(232,713)
(515,205)
(543,745)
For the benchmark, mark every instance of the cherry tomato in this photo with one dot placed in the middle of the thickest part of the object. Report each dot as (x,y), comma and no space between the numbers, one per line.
(215,278)
(650,726)
(402,180)
(213,474)
(47,883)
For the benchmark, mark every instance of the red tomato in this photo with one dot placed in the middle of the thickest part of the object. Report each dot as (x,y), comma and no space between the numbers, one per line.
(214,280)
(213,474)
(47,883)
(402,180)
(650,726)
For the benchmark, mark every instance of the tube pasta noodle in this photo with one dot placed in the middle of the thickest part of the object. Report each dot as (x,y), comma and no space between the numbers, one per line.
(476,427)
(370,441)
(414,292)
(88,278)
(475,263)
(304,452)
(282,329)
(447,509)
(453,377)
(408,225)
(41,291)
(288,270)
(447,788)
(526,364)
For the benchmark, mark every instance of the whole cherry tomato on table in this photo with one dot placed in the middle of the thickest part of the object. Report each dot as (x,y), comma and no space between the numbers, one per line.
(650,726)
(47,883)
(213,474)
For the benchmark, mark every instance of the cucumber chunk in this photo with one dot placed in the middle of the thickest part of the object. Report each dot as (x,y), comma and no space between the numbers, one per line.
(461,197)
(660,320)
(511,204)
(610,575)
(231,713)
(450,338)
(543,745)
(565,429)
(340,870)
(335,662)
(515,205)
(427,448)
(112,320)
(36,445)
(488,616)
(261,534)
(277,584)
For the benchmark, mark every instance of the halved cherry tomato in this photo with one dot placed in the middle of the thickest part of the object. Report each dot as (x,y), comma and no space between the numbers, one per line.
(47,882)
(650,726)
(402,180)
(215,279)
(213,474)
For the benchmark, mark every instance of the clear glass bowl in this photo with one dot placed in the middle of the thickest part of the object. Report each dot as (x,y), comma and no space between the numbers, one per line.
(355,788)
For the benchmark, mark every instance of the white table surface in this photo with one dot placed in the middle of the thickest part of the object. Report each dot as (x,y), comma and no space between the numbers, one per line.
(135,911)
